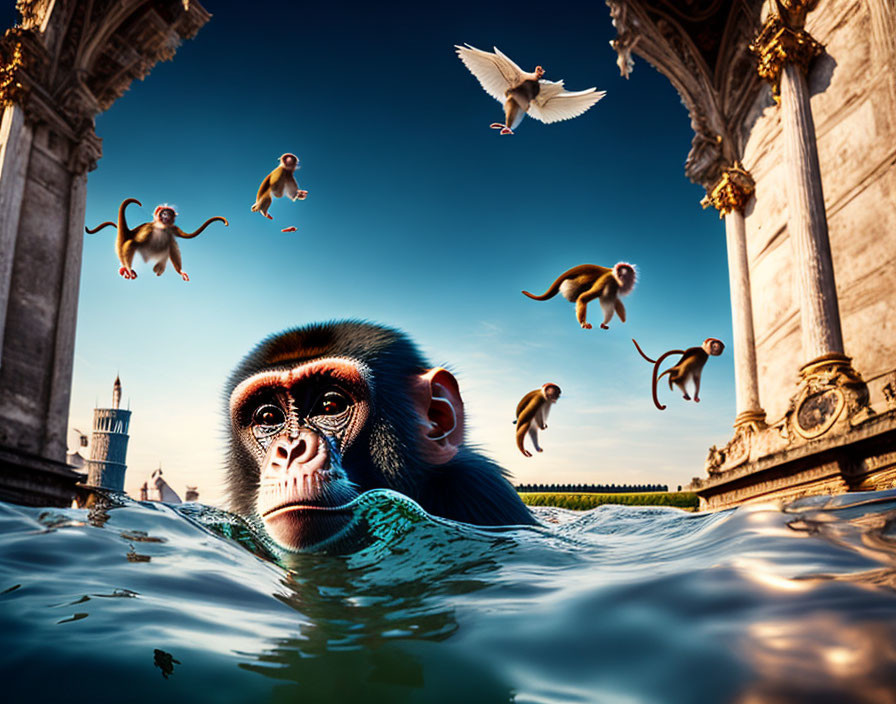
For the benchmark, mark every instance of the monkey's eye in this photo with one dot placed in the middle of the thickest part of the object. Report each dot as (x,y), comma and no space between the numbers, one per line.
(331,403)
(268,416)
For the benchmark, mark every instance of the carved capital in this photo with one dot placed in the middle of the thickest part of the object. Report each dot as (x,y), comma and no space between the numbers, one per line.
(778,44)
(77,104)
(85,153)
(793,12)
(33,12)
(21,57)
(731,191)
(831,392)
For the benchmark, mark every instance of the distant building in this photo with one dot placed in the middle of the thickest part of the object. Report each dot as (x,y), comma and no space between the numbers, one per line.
(157,489)
(109,444)
(76,459)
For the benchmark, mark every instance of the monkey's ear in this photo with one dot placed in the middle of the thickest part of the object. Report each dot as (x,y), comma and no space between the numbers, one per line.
(441,411)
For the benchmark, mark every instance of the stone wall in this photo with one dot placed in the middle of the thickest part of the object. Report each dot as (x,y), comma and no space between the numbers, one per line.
(854,107)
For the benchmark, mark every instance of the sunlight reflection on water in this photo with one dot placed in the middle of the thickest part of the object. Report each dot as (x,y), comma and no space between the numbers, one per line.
(619,604)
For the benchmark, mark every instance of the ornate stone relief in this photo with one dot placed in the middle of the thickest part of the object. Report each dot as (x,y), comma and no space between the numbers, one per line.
(778,44)
(889,391)
(732,191)
(716,99)
(86,58)
(831,392)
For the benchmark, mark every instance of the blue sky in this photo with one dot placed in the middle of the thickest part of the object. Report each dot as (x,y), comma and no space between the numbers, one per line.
(418,216)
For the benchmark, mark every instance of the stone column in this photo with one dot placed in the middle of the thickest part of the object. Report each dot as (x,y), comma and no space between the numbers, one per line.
(829,383)
(730,196)
(59,68)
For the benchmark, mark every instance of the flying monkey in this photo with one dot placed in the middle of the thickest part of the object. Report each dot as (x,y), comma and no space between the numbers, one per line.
(154,240)
(689,366)
(586,282)
(532,415)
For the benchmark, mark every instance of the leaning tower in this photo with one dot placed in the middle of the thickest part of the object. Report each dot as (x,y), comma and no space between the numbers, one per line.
(109,444)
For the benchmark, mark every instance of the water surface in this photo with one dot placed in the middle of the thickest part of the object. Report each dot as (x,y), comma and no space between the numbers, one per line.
(151,603)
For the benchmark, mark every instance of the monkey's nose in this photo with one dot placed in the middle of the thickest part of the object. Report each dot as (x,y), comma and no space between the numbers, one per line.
(299,450)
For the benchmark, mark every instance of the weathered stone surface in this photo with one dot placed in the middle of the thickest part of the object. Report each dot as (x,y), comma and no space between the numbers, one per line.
(64,63)
(795,304)
(853,109)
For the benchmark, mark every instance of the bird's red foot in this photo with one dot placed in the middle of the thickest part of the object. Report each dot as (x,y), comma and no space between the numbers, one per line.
(291,228)
(497,125)
(686,397)
(184,276)
(586,326)
(124,272)
(604,327)
(696,400)
(267,216)
(507,130)
(526,453)
(538,449)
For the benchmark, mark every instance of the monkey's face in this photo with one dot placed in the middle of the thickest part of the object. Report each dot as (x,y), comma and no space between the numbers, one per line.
(166,216)
(551,392)
(625,276)
(295,425)
(713,346)
(289,161)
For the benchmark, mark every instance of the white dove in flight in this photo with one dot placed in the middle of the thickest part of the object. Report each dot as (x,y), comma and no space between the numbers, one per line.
(521,92)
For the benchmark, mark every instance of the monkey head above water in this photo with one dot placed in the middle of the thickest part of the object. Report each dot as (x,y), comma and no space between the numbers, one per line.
(322,413)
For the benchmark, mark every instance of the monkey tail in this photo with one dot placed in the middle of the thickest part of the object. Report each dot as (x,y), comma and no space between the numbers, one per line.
(656,368)
(99,227)
(520,437)
(122,222)
(652,361)
(550,293)
(188,235)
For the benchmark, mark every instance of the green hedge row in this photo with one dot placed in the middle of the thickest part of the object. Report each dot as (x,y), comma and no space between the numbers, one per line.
(583,502)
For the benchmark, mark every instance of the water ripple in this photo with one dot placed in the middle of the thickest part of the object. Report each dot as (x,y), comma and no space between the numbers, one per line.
(137,601)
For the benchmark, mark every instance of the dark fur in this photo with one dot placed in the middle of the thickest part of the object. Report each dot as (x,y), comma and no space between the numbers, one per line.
(470,488)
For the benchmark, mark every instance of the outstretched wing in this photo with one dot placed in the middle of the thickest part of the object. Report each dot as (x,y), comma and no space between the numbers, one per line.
(495,72)
(554,103)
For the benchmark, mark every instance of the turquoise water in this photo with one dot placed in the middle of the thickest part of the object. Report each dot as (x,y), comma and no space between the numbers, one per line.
(151,603)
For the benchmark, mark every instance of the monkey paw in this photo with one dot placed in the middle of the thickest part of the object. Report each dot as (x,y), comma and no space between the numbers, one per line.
(184,276)
(544,427)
